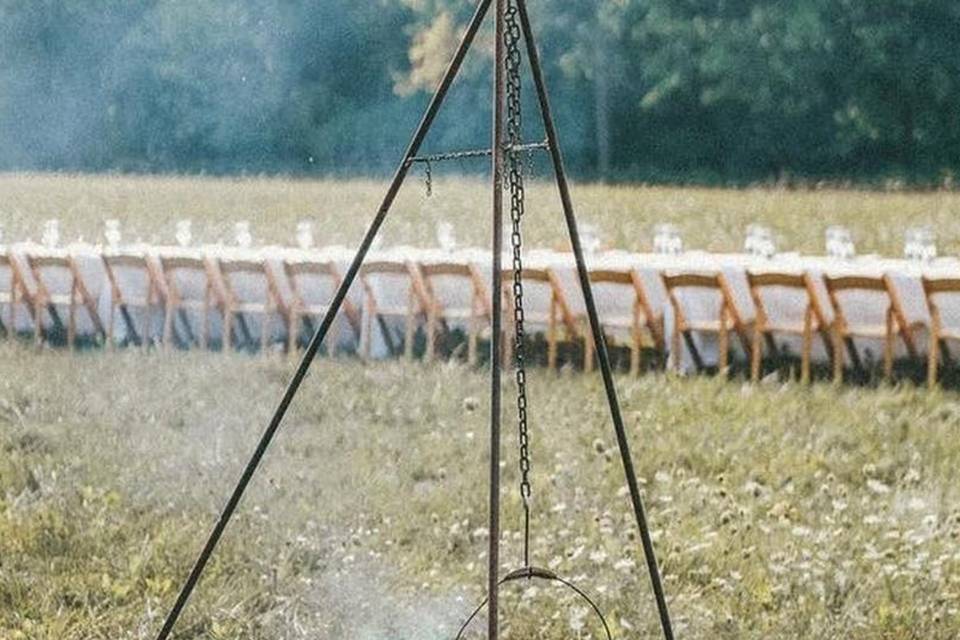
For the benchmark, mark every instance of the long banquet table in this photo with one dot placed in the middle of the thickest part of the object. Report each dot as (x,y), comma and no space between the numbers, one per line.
(904,274)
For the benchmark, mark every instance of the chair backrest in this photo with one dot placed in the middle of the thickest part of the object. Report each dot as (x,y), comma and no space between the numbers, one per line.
(788,294)
(611,276)
(540,287)
(860,301)
(248,281)
(715,282)
(943,300)
(313,284)
(404,279)
(187,276)
(455,286)
(47,268)
(130,276)
(933,286)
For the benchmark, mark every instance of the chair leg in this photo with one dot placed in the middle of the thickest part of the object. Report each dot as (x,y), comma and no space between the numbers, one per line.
(205,334)
(933,350)
(367,337)
(147,324)
(888,347)
(472,338)
(168,325)
(756,350)
(431,334)
(552,336)
(293,331)
(333,337)
(724,346)
(111,322)
(807,346)
(72,321)
(636,337)
(837,334)
(14,301)
(676,345)
(265,327)
(38,320)
(409,330)
(588,349)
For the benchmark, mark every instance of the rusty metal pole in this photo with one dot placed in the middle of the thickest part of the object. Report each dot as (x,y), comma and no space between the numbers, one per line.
(499,102)
(603,357)
(301,372)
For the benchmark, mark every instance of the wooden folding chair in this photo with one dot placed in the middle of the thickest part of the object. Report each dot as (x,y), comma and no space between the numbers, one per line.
(641,318)
(115,265)
(478,309)
(303,307)
(939,334)
(417,303)
(557,313)
(728,319)
(16,294)
(179,305)
(844,332)
(764,329)
(47,298)
(231,275)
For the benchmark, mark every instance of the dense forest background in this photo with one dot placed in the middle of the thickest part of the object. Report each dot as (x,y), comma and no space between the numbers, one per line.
(712,91)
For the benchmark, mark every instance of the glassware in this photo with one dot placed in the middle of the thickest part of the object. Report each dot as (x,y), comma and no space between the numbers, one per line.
(667,239)
(920,243)
(446,237)
(840,243)
(305,234)
(759,241)
(590,238)
(112,232)
(184,233)
(242,235)
(51,233)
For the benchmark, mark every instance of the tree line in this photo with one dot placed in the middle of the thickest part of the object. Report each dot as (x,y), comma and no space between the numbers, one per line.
(707,91)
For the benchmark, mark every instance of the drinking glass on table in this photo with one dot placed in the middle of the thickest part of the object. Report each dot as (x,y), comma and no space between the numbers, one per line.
(112,233)
(305,235)
(920,244)
(667,239)
(184,233)
(759,241)
(840,243)
(242,235)
(51,233)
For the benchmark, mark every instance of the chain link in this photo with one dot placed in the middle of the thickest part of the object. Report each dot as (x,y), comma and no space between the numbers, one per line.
(515,162)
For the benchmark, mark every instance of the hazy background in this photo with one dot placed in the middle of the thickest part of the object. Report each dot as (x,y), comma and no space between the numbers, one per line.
(709,91)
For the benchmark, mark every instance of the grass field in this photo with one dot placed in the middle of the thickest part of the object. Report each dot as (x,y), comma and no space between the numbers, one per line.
(710,219)
(779,512)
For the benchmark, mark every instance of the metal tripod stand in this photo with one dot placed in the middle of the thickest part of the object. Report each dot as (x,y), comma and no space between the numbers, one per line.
(498,152)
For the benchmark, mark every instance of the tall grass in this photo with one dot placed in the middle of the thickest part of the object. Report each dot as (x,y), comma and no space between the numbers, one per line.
(710,219)
(779,512)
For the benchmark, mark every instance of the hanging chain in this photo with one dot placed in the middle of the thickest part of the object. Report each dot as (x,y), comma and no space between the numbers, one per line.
(515,161)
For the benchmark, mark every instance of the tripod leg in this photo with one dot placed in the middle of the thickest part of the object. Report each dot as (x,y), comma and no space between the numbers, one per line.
(321,332)
(603,357)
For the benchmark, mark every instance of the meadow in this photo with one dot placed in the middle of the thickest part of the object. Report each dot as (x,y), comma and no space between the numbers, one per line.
(779,511)
(624,215)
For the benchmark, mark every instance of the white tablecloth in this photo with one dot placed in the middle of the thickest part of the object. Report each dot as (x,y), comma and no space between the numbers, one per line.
(613,301)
